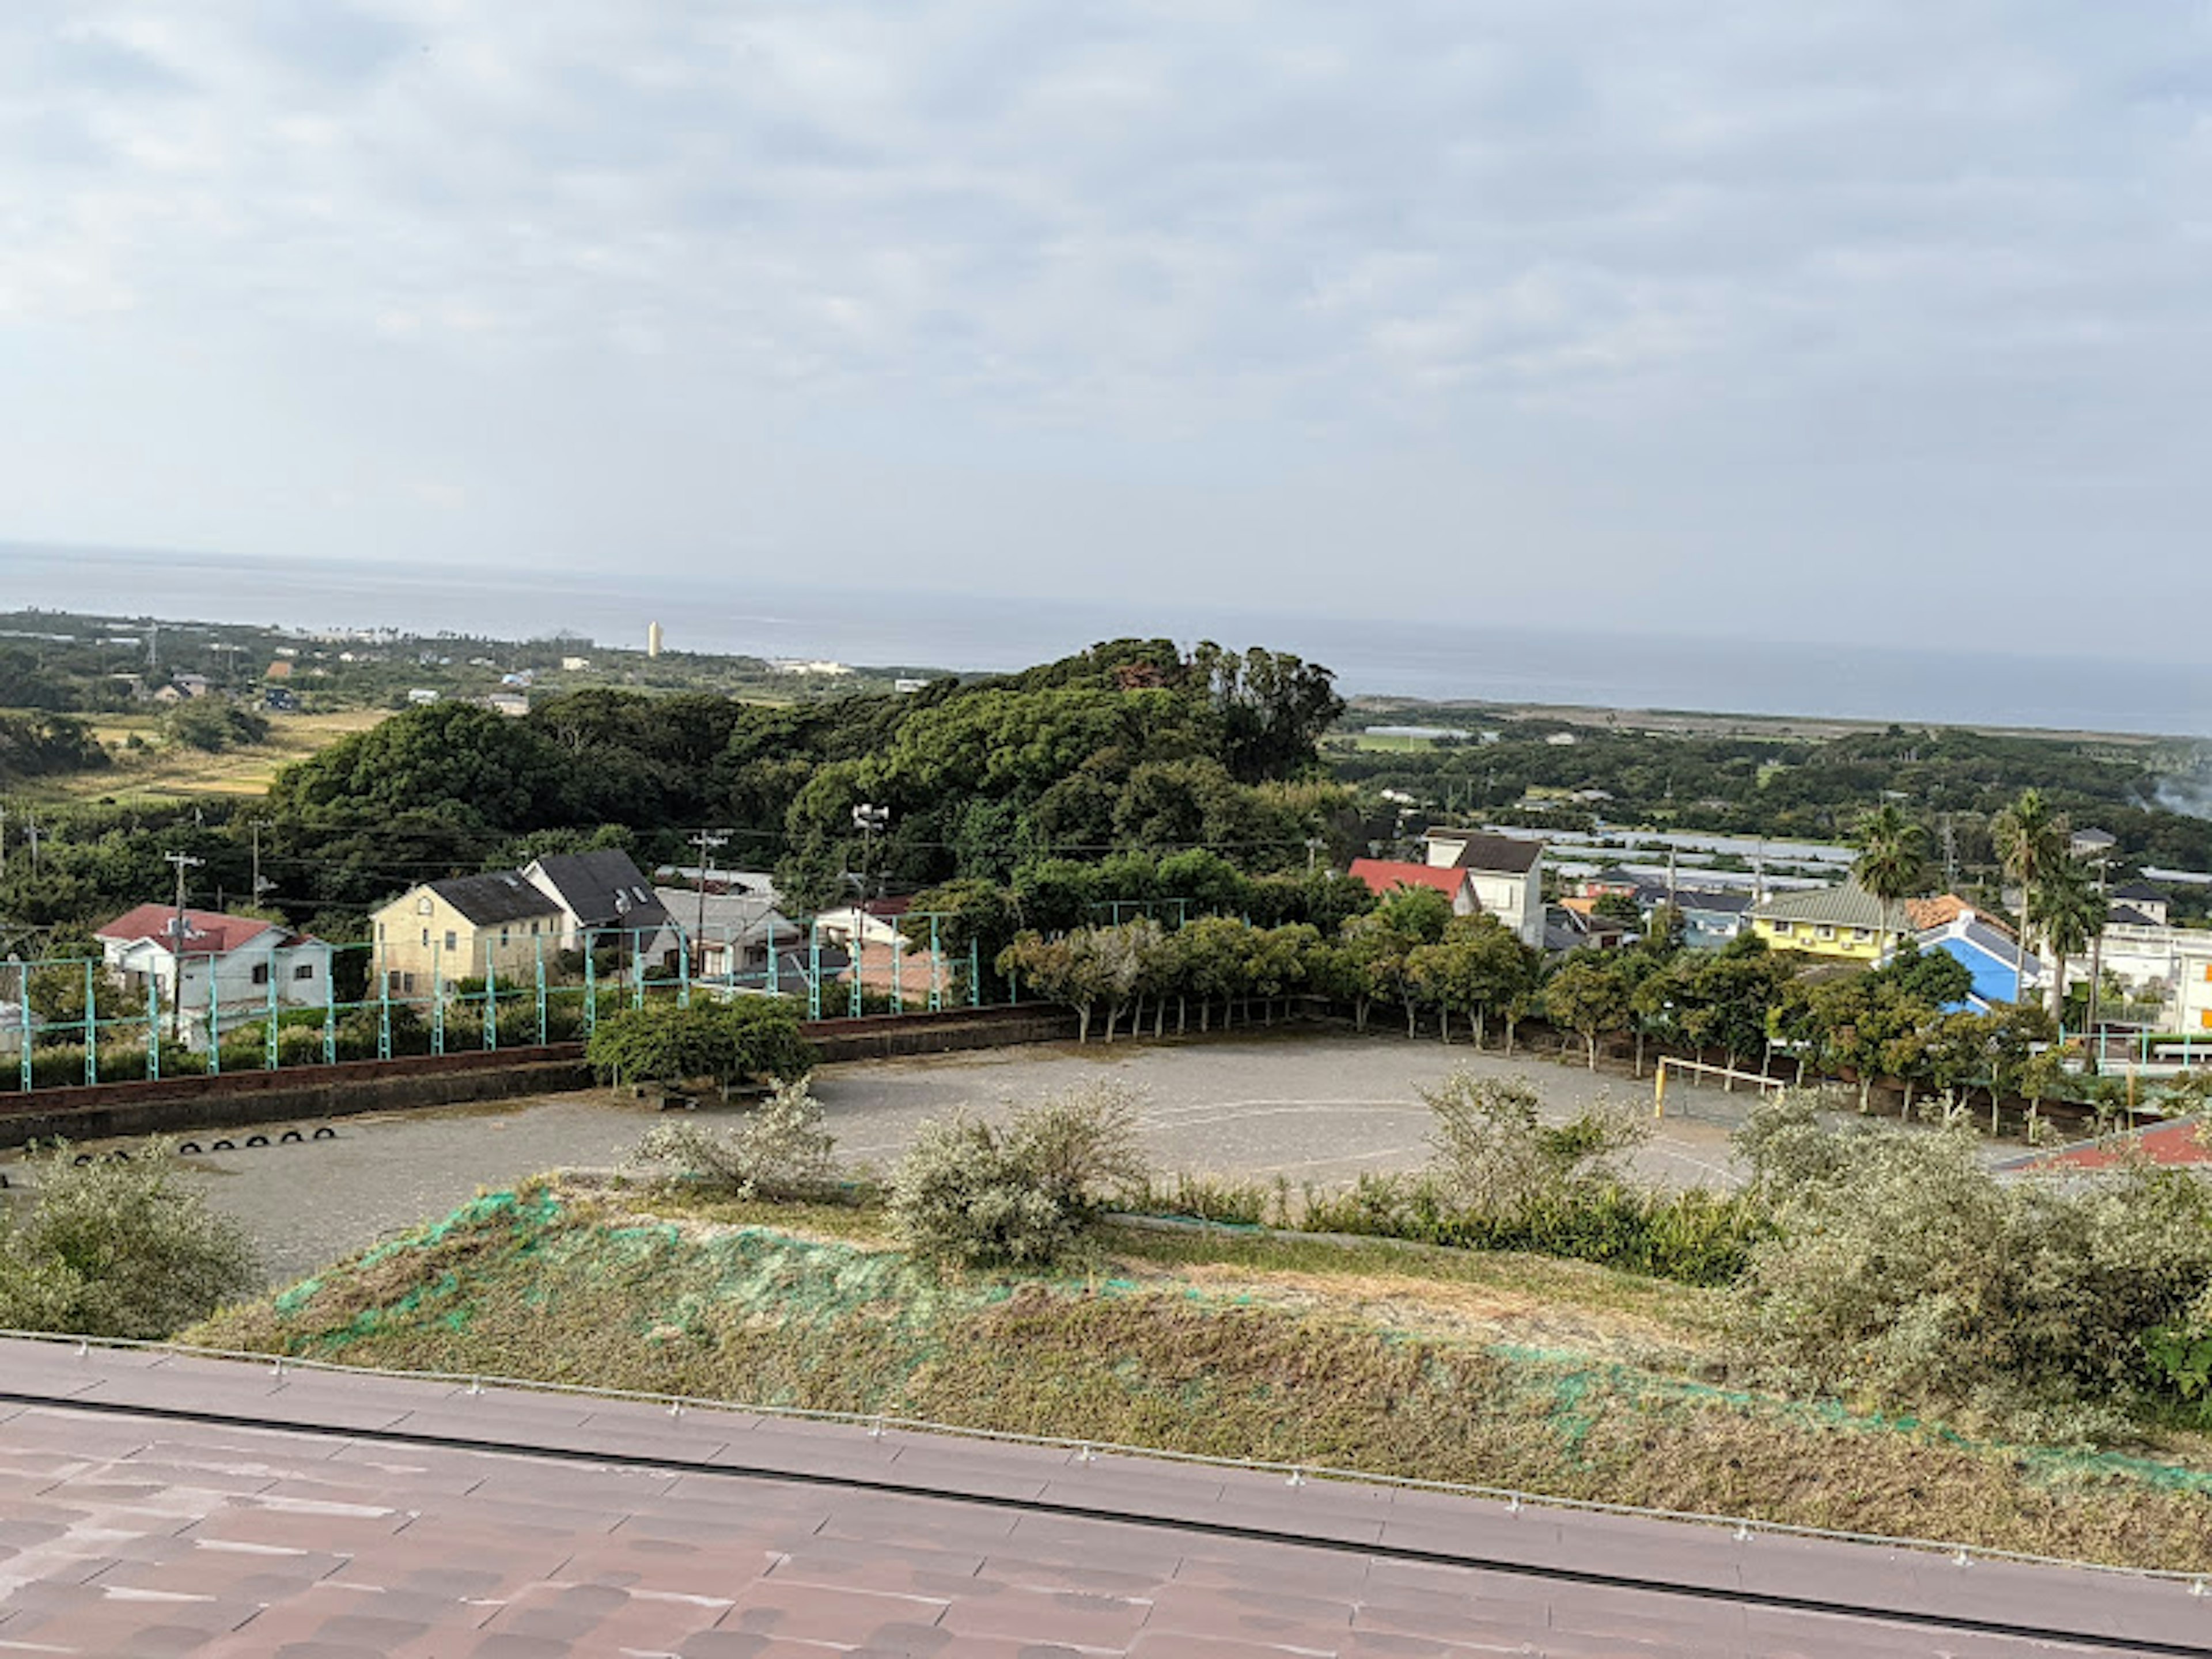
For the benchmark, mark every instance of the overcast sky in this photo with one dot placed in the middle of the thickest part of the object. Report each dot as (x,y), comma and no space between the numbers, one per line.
(1741,315)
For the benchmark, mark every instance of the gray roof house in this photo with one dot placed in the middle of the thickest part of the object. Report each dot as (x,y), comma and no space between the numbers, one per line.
(600,892)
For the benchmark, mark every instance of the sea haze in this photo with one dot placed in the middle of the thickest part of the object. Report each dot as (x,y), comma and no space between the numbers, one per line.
(1755,665)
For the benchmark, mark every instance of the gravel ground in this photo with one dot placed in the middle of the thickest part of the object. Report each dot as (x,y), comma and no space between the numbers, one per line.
(1318,1108)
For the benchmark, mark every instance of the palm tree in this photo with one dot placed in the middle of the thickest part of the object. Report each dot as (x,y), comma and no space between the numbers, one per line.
(1892,861)
(2032,840)
(2071,912)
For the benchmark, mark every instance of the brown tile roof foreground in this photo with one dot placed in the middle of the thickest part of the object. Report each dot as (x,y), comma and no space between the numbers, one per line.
(152,1504)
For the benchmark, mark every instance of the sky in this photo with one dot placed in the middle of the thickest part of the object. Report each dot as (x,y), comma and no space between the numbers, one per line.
(1741,319)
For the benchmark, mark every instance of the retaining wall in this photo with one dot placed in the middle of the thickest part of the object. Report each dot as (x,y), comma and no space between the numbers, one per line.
(174,1105)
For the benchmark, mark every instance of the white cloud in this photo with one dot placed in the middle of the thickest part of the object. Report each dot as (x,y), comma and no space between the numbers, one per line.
(1876,281)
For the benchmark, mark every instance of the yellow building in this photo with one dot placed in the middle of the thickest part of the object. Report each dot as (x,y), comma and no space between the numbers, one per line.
(1844,924)
(448,930)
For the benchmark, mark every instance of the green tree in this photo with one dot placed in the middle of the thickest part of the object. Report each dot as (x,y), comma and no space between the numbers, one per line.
(1892,862)
(2031,839)
(2070,910)
(1589,995)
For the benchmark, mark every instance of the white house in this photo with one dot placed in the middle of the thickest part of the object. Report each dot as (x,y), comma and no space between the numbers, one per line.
(239,958)
(1507,873)
(2173,965)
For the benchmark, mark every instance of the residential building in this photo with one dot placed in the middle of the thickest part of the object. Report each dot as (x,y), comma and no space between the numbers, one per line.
(732,932)
(1507,873)
(2170,965)
(452,929)
(575,665)
(421,696)
(1845,923)
(236,960)
(1385,876)
(1987,950)
(513,704)
(1710,918)
(2143,899)
(605,900)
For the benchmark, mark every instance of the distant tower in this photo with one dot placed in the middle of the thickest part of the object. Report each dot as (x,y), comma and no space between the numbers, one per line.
(653,639)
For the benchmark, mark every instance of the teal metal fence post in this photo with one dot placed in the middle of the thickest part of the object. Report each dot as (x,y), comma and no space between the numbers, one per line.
(23,1060)
(214,1025)
(772,954)
(637,971)
(153,1029)
(936,968)
(898,958)
(591,991)
(91,1027)
(268,1055)
(491,999)
(437,998)
(330,1007)
(683,970)
(813,973)
(384,1013)
(860,955)
(541,991)
(974,973)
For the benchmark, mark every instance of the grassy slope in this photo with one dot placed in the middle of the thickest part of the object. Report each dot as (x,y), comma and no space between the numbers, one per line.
(1543,1376)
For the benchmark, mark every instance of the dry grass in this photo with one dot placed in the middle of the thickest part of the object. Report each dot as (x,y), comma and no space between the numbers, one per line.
(161,772)
(1394,1367)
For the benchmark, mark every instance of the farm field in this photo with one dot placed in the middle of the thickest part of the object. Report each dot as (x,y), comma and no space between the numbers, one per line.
(161,772)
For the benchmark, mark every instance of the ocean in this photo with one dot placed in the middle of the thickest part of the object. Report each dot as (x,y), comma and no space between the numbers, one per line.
(1780,670)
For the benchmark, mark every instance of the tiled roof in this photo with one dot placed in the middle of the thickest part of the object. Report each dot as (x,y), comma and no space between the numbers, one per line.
(1382,875)
(1943,910)
(159,1504)
(2133,892)
(206,932)
(1848,906)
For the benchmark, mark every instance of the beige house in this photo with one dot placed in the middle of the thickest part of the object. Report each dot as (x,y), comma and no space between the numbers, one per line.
(443,931)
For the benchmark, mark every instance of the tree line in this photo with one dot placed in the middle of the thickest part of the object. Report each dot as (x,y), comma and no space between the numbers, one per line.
(1906,1022)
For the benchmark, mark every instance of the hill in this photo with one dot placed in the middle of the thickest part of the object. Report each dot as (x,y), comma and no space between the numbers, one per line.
(1495,1369)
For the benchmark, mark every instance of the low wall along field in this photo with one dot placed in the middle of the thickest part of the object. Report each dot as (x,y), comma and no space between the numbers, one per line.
(174,1105)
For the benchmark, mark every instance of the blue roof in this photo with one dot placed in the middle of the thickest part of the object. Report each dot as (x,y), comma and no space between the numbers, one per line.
(1993,975)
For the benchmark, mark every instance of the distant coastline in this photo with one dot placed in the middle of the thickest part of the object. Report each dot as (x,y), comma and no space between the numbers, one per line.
(1788,672)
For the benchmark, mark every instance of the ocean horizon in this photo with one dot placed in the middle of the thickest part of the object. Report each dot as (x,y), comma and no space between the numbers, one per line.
(1804,676)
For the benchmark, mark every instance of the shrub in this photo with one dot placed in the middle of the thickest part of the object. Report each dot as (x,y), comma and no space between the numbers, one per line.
(114,1248)
(1493,1155)
(1905,1273)
(1021,1195)
(783,1150)
(663,1043)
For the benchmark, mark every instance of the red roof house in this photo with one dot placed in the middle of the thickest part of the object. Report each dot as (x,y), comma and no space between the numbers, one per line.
(1384,875)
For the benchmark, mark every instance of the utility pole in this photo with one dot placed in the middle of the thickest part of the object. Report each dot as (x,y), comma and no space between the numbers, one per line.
(256,861)
(706,841)
(4,843)
(2097,959)
(183,861)
(31,832)
(1950,855)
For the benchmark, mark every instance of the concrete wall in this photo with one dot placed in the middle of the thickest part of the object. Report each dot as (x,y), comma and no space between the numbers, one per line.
(180,1105)
(176,1105)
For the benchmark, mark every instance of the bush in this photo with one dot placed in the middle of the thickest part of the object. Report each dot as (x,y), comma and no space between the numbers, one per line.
(1493,1156)
(1904,1273)
(1022,1195)
(662,1042)
(783,1150)
(1697,1238)
(113,1248)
